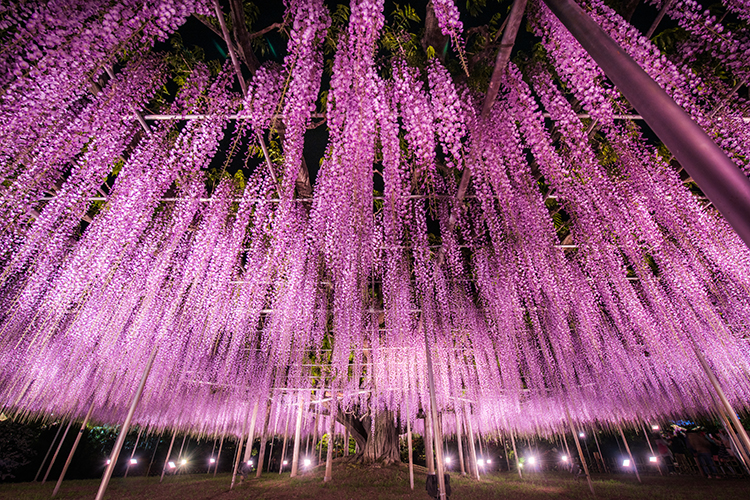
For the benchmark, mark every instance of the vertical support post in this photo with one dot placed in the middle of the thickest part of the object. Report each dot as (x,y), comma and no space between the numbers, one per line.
(735,441)
(213,449)
(73,450)
(297,435)
(434,415)
(346,442)
(408,444)
(251,434)
(459,439)
(125,427)
(658,461)
(283,448)
(132,453)
(49,450)
(428,449)
(601,456)
(153,455)
(329,451)
(263,439)
(567,449)
(627,448)
(474,466)
(218,455)
(169,452)
(515,453)
(239,453)
(57,451)
(580,451)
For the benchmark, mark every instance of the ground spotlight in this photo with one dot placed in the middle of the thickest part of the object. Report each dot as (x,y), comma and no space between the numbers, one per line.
(532,460)
(654,427)
(109,461)
(307,462)
(652,459)
(581,434)
(480,462)
(212,461)
(171,465)
(133,461)
(285,462)
(626,463)
(489,461)
(183,462)
(564,458)
(447,460)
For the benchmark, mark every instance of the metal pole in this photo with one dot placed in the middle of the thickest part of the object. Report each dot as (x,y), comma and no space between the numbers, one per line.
(132,453)
(434,417)
(658,461)
(409,446)
(428,449)
(720,179)
(153,455)
(298,435)
(251,434)
(54,457)
(169,452)
(125,427)
(627,448)
(239,453)
(601,456)
(329,451)
(49,450)
(474,466)
(580,451)
(741,433)
(218,455)
(460,444)
(73,450)
(515,453)
(263,440)
(283,447)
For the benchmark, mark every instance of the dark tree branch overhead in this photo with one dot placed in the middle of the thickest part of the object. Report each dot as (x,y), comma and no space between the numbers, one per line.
(242,37)
(433,36)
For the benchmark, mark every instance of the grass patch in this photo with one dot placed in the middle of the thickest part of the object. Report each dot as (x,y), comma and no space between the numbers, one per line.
(370,483)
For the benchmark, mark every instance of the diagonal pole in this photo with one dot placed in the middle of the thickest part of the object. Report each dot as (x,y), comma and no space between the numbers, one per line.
(73,450)
(54,457)
(49,450)
(125,427)
(720,179)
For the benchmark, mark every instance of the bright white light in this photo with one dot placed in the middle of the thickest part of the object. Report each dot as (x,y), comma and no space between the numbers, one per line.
(582,435)
(183,462)
(480,462)
(109,461)
(133,461)
(307,462)
(489,461)
(447,460)
(626,463)
(212,461)
(655,427)
(250,463)
(532,460)
(565,458)
(285,462)
(520,465)
(652,459)
(171,465)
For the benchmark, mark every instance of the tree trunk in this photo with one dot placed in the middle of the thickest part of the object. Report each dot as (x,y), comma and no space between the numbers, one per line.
(375,443)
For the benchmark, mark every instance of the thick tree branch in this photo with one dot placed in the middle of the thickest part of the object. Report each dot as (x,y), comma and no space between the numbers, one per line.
(433,36)
(242,36)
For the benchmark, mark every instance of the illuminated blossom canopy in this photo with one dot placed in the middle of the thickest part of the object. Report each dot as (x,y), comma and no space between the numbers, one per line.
(579,271)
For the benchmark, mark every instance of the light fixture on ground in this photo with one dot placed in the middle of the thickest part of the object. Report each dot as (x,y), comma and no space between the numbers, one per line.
(654,427)
(532,460)
(652,459)
(480,462)
(307,462)
(171,465)
(183,462)
(133,461)
(626,462)
(109,461)
(212,461)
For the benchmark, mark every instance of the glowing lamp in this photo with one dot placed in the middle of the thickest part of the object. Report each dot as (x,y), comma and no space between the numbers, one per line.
(133,461)
(532,460)
(171,465)
(447,460)
(307,462)
(565,458)
(489,461)
(654,427)
(480,462)
(250,463)
(652,459)
(183,462)
(212,461)
(285,462)
(626,463)
(109,461)
(582,435)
